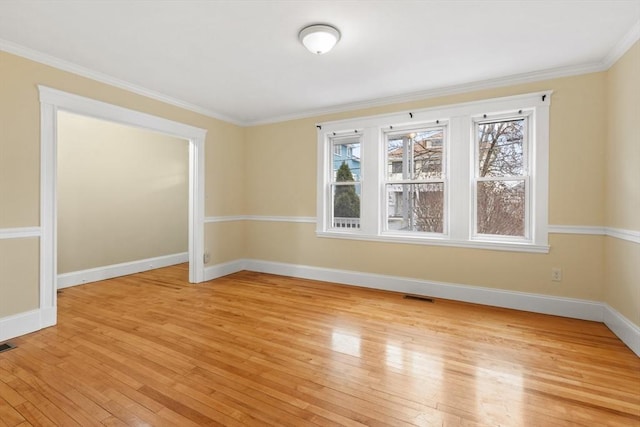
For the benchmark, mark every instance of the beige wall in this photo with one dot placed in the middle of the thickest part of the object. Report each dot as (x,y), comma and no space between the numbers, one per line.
(19,285)
(623,142)
(622,178)
(20,166)
(281,180)
(123,193)
(285,153)
(271,170)
(580,257)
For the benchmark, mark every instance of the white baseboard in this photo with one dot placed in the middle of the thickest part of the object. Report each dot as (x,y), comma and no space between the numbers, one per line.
(628,332)
(116,270)
(48,317)
(219,270)
(20,324)
(567,307)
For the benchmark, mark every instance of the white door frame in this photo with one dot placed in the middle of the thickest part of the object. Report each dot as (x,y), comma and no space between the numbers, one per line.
(52,100)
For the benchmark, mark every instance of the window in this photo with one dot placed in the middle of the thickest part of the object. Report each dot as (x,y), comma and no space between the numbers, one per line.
(501,174)
(472,175)
(414,185)
(396,167)
(345,185)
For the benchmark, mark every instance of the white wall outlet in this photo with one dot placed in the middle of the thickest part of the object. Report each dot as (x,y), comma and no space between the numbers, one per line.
(207,257)
(556,274)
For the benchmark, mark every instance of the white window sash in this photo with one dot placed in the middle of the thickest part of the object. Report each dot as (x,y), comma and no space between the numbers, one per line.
(459,171)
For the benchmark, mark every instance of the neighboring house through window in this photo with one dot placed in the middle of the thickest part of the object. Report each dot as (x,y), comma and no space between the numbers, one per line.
(415,185)
(345,185)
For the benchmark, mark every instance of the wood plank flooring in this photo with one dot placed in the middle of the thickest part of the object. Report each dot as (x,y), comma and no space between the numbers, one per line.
(253,349)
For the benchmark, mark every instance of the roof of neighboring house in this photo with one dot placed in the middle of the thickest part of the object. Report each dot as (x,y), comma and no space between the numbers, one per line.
(421,147)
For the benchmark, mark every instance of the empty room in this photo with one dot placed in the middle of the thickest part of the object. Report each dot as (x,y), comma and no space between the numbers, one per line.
(320,213)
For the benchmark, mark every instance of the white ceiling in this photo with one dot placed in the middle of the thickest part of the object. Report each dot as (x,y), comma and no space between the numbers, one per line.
(241,60)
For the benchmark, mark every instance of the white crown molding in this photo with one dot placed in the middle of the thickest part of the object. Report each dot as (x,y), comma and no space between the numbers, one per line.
(534,76)
(116,270)
(625,43)
(19,232)
(61,64)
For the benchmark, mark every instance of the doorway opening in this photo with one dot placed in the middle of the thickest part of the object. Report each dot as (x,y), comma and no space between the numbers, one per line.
(51,102)
(122,200)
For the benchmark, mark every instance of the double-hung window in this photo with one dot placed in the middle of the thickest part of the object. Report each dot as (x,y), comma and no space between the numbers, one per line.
(344,186)
(414,183)
(501,181)
(470,175)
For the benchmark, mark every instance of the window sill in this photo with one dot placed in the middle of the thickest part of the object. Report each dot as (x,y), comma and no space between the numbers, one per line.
(438,241)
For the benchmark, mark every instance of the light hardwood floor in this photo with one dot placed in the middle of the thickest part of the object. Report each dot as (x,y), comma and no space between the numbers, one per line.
(257,349)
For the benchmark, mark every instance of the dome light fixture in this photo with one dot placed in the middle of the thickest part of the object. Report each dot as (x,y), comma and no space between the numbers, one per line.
(319,38)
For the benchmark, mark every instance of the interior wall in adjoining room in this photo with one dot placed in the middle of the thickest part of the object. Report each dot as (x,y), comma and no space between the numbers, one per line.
(122,195)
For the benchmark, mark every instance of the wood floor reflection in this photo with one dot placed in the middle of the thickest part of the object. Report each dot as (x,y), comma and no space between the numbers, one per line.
(260,350)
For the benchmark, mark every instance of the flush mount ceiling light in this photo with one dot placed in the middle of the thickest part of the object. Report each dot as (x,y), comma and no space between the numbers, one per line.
(319,38)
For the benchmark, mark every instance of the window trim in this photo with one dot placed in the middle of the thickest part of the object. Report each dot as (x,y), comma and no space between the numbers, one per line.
(384,181)
(460,122)
(526,177)
(335,140)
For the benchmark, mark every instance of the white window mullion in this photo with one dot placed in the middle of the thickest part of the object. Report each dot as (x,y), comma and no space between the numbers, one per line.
(460,184)
(370,200)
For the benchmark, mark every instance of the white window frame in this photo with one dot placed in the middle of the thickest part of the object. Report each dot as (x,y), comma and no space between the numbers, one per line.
(460,157)
(332,141)
(445,172)
(526,177)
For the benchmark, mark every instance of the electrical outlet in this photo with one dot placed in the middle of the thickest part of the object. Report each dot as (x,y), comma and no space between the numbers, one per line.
(556,274)
(206,258)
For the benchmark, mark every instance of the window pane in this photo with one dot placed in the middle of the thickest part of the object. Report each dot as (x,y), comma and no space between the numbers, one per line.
(501,207)
(500,148)
(415,155)
(416,207)
(346,205)
(347,154)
